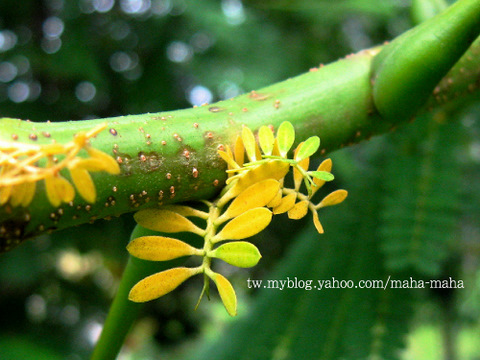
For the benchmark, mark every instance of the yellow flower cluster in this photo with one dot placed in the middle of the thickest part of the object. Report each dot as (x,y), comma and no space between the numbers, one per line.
(20,169)
(240,211)
(277,148)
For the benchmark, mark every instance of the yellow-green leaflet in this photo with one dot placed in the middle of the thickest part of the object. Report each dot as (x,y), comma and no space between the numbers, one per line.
(333,198)
(237,253)
(266,139)
(159,284)
(285,137)
(256,195)
(83,182)
(227,294)
(310,147)
(245,225)
(166,221)
(160,248)
(297,175)
(326,165)
(299,210)
(285,204)
(249,143)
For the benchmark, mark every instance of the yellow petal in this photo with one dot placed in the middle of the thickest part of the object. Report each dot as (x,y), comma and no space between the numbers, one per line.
(16,195)
(84,184)
(276,200)
(159,284)
(299,210)
(51,189)
(256,195)
(166,221)
(286,204)
(160,248)
(30,189)
(249,143)
(239,151)
(227,293)
(245,225)
(110,165)
(316,222)
(326,165)
(90,164)
(333,198)
(65,190)
(53,149)
(5,192)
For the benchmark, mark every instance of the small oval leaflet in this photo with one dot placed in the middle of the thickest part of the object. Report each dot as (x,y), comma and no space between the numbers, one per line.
(299,210)
(266,139)
(297,175)
(166,221)
(286,204)
(270,170)
(245,225)
(227,293)
(309,147)
(249,143)
(326,165)
(285,137)
(256,195)
(238,253)
(333,198)
(159,284)
(317,223)
(160,248)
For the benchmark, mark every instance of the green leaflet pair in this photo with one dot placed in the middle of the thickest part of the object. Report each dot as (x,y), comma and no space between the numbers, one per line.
(255,191)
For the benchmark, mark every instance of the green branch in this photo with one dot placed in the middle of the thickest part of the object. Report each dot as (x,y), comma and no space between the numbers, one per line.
(172,156)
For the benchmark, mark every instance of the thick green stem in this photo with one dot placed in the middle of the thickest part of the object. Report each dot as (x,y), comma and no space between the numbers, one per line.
(124,312)
(172,156)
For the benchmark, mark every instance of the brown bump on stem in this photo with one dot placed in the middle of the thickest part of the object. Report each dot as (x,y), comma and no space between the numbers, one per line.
(215,182)
(168,176)
(195,172)
(33,137)
(195,125)
(215,109)
(113,132)
(164,142)
(14,136)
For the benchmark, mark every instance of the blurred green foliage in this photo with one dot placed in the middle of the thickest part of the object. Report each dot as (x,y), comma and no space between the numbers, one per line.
(412,211)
